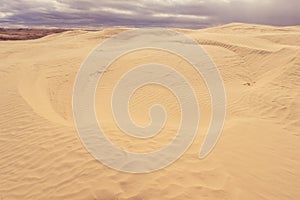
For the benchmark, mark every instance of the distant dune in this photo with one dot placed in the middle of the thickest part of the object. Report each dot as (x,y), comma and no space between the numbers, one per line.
(257,156)
(26,34)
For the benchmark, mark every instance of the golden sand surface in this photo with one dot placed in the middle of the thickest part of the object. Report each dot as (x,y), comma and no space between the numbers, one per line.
(257,156)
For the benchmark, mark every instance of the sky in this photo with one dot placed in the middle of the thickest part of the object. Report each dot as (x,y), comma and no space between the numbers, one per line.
(192,14)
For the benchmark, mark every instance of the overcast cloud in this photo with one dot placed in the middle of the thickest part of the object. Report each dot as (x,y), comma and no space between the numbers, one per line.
(146,13)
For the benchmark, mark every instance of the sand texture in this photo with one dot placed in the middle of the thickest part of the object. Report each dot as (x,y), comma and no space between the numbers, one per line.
(257,156)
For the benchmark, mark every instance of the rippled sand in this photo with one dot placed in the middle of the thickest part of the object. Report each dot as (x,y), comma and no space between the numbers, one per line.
(257,156)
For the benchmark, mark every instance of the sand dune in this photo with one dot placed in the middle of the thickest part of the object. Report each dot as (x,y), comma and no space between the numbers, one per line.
(257,156)
(26,34)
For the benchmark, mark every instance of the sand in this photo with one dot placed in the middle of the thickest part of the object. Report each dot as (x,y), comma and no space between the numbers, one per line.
(257,156)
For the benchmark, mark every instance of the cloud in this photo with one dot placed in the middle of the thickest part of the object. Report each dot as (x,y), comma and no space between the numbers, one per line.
(147,13)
